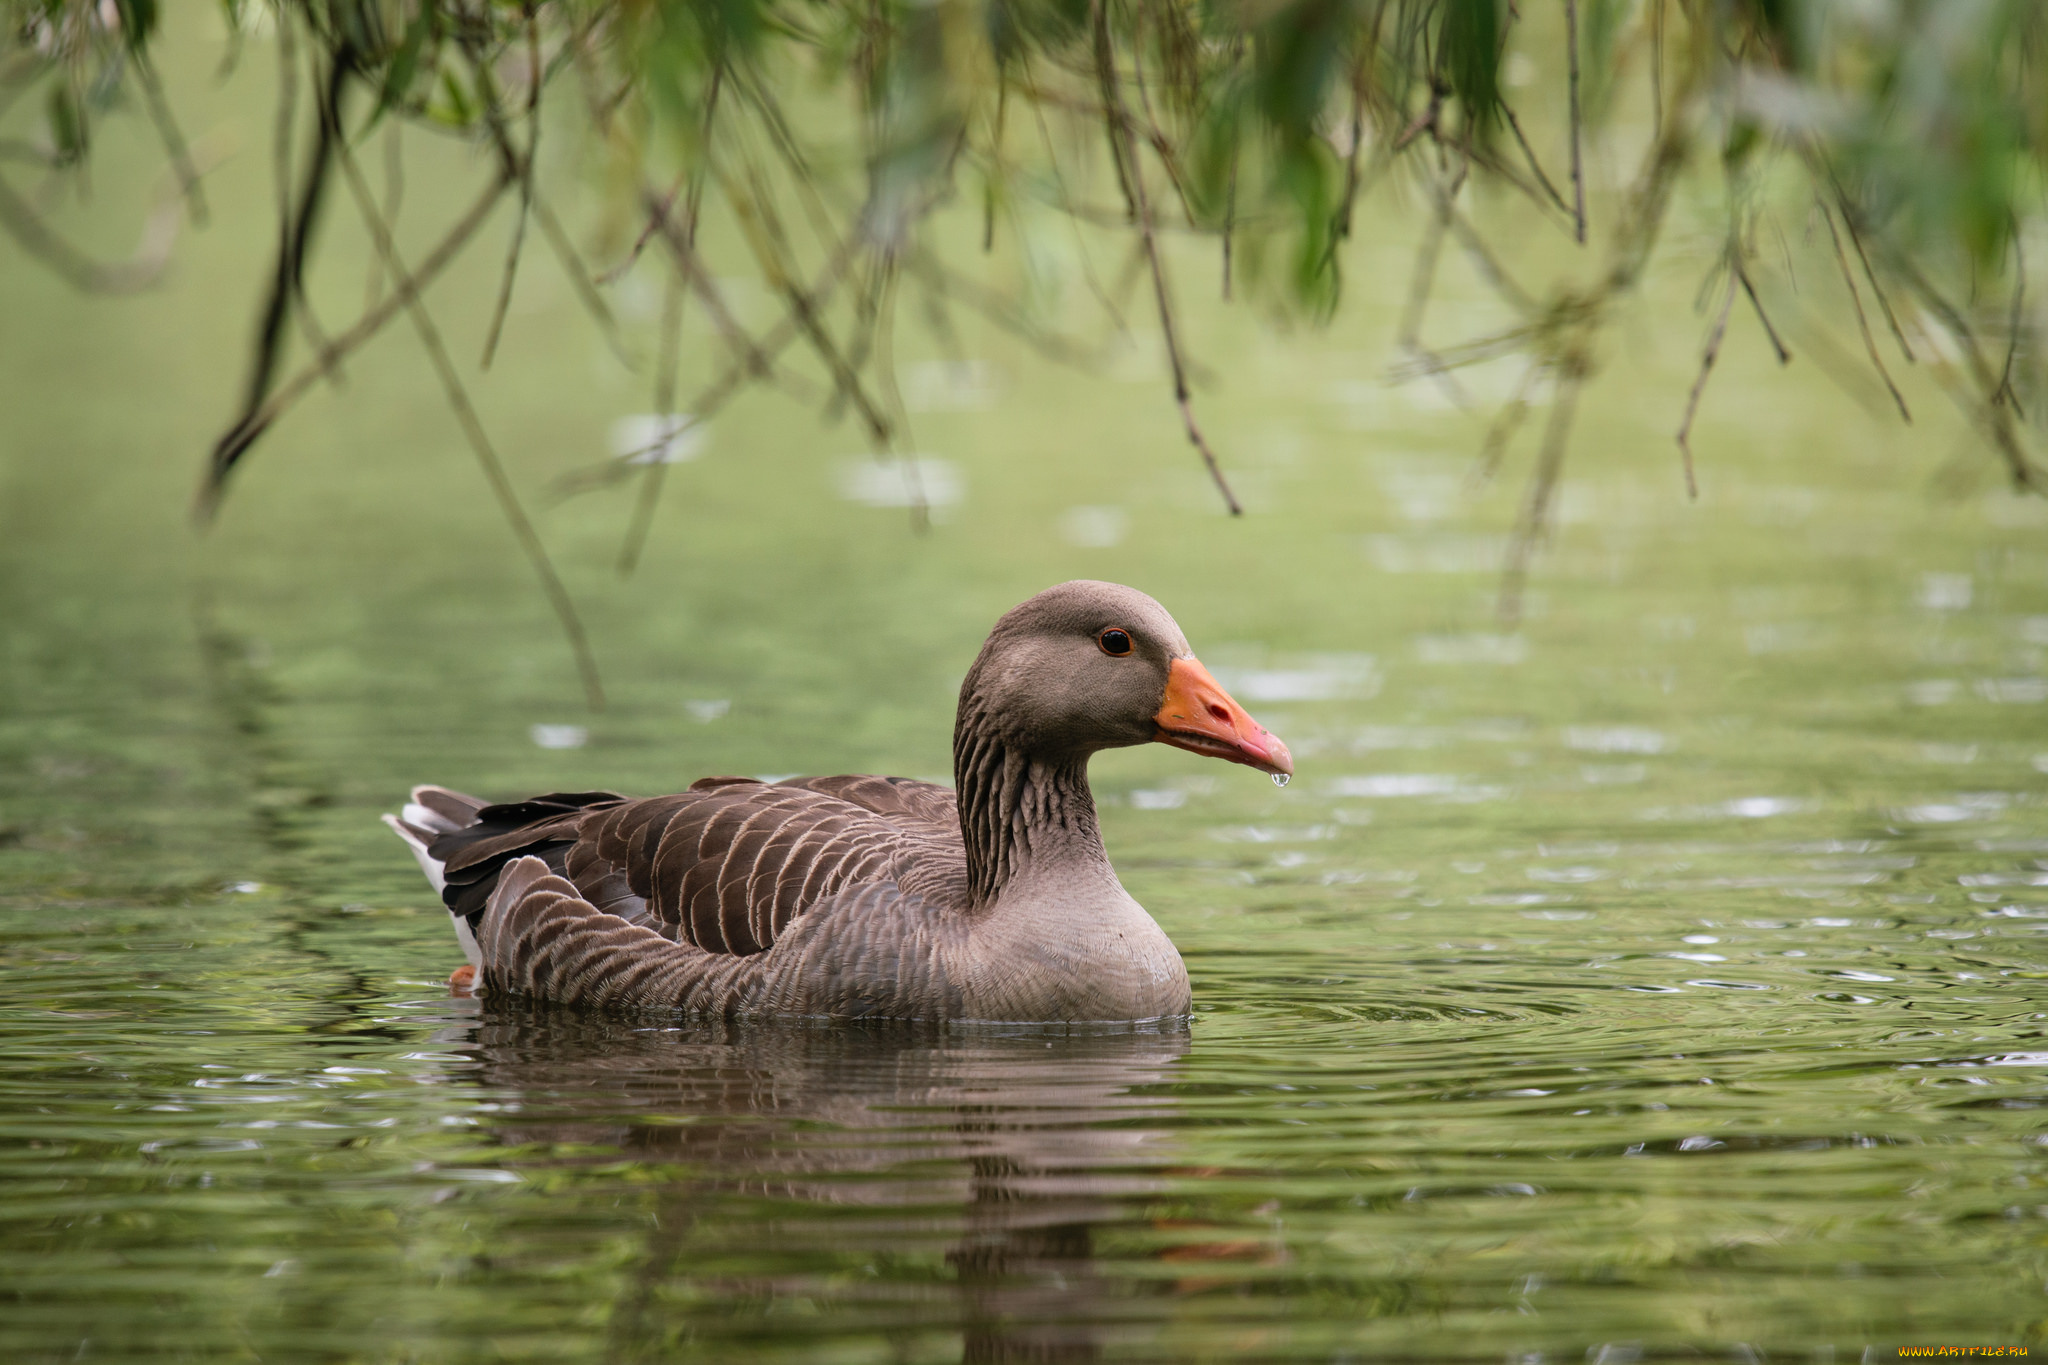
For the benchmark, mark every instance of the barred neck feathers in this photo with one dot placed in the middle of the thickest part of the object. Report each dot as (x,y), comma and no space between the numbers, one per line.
(1019,810)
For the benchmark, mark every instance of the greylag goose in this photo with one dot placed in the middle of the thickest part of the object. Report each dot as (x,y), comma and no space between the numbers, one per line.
(863,897)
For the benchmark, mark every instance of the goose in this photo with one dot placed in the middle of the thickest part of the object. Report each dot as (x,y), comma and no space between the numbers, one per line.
(862,897)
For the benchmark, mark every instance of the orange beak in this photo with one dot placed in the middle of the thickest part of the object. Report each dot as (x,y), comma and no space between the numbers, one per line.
(1199,716)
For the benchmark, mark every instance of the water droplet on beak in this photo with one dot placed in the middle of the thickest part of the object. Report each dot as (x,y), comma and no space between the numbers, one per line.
(1279,779)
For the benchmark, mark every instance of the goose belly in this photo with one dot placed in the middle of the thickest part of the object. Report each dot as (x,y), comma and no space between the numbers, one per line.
(875,953)
(1105,963)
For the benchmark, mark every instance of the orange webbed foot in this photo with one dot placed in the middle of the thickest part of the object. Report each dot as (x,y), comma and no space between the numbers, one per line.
(462,981)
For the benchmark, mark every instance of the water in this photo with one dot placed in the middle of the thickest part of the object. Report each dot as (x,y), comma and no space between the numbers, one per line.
(1666,977)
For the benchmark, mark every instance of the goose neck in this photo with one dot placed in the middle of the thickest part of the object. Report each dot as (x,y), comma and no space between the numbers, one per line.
(1023,816)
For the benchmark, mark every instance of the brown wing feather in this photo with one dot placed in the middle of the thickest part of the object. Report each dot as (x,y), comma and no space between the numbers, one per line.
(728,864)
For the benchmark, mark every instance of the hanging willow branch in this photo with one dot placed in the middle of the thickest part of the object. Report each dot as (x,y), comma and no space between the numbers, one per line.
(1260,128)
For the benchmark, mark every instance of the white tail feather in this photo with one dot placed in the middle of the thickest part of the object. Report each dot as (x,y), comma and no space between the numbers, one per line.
(422,816)
(417,827)
(416,840)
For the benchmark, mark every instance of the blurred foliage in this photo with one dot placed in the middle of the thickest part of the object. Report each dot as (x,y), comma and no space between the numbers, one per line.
(1906,134)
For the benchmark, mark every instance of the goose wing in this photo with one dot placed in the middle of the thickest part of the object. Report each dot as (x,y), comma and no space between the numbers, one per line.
(725,865)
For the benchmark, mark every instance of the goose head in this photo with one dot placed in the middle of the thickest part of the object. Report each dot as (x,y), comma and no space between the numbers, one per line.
(1086,666)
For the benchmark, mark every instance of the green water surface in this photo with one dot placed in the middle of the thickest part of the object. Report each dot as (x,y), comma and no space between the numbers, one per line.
(1663,978)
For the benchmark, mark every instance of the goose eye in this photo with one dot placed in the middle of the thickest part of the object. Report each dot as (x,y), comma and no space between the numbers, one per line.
(1114,641)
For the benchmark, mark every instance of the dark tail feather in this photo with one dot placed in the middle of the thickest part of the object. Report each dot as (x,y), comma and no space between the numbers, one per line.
(458,810)
(474,853)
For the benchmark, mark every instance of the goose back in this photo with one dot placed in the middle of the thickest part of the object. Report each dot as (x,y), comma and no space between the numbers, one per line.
(728,864)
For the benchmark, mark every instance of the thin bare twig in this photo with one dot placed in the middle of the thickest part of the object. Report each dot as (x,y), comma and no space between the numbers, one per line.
(1124,145)
(1699,385)
(472,427)
(1426,121)
(1425,363)
(1120,152)
(298,303)
(702,407)
(1529,155)
(865,334)
(1488,265)
(287,122)
(1350,197)
(2013,328)
(523,170)
(886,269)
(670,357)
(287,294)
(809,185)
(1421,286)
(1488,161)
(1535,517)
(762,230)
(1504,426)
(1656,70)
(1162,145)
(1571,29)
(173,137)
(1742,273)
(1884,302)
(252,424)
(1006,313)
(995,157)
(1064,202)
(762,227)
(511,270)
(1997,417)
(394,199)
(757,359)
(1862,320)
(1340,217)
(1230,190)
(656,216)
(663,450)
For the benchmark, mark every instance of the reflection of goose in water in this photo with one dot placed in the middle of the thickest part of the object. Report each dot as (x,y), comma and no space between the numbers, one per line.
(1007,1150)
(864,897)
